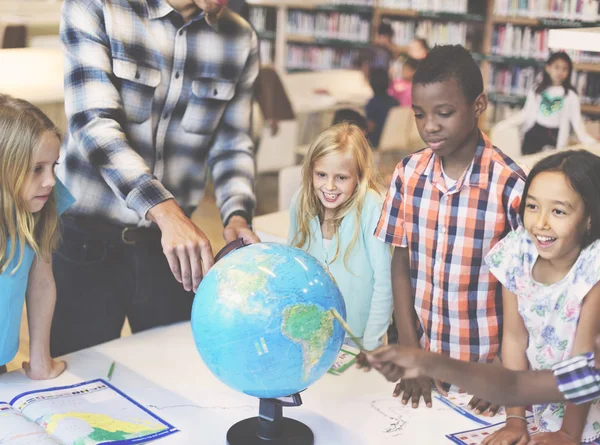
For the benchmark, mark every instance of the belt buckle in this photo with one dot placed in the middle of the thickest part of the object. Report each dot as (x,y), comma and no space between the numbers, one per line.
(124,236)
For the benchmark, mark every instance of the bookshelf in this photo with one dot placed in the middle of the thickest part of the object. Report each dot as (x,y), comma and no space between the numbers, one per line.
(507,38)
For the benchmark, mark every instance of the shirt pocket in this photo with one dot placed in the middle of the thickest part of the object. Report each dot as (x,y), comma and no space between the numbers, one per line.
(206,104)
(138,84)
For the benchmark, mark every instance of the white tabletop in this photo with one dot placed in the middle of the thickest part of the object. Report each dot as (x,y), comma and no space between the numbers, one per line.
(33,74)
(272,227)
(162,370)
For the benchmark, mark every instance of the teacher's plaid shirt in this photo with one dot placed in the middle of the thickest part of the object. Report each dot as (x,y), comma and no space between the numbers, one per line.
(151,103)
(448,233)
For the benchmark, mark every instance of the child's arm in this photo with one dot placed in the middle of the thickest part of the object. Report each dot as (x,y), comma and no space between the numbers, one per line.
(41,298)
(520,117)
(495,383)
(514,344)
(577,123)
(404,310)
(587,328)
(380,258)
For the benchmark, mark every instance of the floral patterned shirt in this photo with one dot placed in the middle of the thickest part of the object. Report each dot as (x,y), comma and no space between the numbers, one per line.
(550,312)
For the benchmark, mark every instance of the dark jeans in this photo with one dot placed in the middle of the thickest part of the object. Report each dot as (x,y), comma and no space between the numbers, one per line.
(537,137)
(101,279)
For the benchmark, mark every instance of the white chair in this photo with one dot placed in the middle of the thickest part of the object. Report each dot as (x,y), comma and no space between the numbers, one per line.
(400,131)
(507,138)
(290,180)
(277,151)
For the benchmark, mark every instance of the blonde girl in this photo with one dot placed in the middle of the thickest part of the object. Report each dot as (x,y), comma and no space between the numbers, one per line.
(333,217)
(30,201)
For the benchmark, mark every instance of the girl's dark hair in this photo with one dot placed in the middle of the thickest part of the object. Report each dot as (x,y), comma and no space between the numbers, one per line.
(546,81)
(582,170)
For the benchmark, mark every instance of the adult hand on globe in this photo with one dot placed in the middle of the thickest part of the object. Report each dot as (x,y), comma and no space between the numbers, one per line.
(186,247)
(237,227)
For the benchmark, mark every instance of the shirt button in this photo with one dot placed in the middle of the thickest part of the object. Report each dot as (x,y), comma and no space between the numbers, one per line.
(137,75)
(166,116)
(160,156)
(181,32)
(177,75)
(443,229)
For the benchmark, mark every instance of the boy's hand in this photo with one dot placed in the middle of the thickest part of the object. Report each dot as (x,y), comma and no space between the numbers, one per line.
(413,389)
(514,433)
(362,362)
(480,406)
(48,371)
(557,438)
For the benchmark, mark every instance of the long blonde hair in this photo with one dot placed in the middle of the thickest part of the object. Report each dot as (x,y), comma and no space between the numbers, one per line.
(22,126)
(342,138)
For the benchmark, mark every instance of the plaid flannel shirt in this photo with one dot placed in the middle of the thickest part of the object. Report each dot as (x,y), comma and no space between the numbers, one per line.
(578,379)
(151,103)
(448,233)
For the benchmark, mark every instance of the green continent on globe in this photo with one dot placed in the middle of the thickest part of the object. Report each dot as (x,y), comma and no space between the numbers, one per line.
(311,328)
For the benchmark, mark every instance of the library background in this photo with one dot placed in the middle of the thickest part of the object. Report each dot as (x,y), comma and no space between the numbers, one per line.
(509,38)
(311,52)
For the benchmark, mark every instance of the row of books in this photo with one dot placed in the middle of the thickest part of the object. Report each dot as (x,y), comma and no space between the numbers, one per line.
(266,52)
(434,32)
(585,10)
(518,81)
(520,41)
(455,6)
(349,2)
(330,25)
(319,58)
(263,19)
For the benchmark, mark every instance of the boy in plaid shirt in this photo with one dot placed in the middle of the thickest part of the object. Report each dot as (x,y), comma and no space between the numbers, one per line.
(446,207)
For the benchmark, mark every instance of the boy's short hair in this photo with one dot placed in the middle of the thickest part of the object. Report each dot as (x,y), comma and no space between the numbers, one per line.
(385,29)
(445,62)
(379,80)
(350,116)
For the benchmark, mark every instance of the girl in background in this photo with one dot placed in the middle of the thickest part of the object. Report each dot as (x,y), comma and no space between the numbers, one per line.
(333,217)
(31,200)
(551,109)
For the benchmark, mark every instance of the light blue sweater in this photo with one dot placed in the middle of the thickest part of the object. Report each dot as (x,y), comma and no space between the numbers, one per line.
(366,282)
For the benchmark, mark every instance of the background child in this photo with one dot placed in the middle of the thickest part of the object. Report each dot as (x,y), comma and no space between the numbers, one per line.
(446,207)
(551,109)
(379,105)
(401,88)
(333,216)
(351,116)
(380,54)
(30,201)
(576,379)
(550,269)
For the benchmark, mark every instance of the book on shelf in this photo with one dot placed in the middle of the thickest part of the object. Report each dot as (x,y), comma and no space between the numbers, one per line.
(453,6)
(583,10)
(312,57)
(329,25)
(520,41)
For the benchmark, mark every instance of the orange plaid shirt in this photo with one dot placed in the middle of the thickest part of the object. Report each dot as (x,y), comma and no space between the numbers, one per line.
(448,232)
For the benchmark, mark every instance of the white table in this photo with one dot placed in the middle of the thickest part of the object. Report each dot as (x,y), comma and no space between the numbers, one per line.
(272,227)
(162,370)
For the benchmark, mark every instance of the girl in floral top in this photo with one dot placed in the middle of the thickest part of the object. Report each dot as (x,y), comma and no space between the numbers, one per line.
(550,269)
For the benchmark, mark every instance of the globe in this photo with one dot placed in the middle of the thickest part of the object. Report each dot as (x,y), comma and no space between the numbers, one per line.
(262,320)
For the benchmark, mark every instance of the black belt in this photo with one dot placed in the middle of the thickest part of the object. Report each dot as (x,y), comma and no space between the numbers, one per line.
(104,229)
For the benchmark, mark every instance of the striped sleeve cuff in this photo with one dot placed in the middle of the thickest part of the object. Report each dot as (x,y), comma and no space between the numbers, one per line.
(578,379)
(147,195)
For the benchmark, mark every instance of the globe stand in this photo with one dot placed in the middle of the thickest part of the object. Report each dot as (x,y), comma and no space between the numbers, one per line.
(270,427)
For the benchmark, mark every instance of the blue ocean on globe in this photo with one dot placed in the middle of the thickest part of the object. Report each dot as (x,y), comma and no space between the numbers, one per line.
(262,323)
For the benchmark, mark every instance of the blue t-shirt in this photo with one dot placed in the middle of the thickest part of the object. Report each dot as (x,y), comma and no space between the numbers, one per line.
(377,110)
(14,286)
